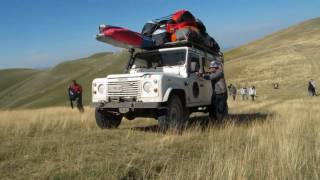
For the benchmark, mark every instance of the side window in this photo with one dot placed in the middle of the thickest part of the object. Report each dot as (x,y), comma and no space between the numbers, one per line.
(194,63)
(140,63)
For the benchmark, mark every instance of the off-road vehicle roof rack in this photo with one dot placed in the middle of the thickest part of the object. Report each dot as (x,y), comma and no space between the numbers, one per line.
(188,44)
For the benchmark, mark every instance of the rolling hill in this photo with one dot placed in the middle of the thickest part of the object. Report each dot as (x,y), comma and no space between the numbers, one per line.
(289,57)
(25,88)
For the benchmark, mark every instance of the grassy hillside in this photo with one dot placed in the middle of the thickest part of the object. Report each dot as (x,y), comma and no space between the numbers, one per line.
(289,57)
(21,88)
(11,77)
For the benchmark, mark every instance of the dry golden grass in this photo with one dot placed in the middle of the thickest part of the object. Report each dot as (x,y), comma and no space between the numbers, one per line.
(261,140)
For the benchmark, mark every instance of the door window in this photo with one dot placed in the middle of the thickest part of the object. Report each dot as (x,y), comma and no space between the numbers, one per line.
(194,63)
(206,63)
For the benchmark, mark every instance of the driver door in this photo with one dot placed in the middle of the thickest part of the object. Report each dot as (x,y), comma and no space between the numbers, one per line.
(195,83)
(206,87)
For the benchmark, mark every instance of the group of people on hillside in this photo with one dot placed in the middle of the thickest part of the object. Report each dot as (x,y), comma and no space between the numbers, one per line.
(244,92)
(252,92)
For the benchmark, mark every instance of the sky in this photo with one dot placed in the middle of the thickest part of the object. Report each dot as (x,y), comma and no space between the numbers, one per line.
(43,33)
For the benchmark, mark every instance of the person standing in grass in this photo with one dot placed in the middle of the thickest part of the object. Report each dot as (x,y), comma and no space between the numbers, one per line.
(229,89)
(313,82)
(219,106)
(244,93)
(75,94)
(252,92)
(312,88)
(233,92)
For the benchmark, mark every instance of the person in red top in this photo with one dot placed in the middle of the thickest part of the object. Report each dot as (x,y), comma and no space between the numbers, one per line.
(75,94)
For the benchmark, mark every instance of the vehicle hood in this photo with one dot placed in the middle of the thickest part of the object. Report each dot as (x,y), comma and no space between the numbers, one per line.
(140,74)
(112,76)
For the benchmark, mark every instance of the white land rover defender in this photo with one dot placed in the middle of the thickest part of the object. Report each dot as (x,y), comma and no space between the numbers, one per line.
(160,83)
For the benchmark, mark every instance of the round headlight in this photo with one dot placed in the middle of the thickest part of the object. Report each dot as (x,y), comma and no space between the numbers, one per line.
(101,88)
(147,86)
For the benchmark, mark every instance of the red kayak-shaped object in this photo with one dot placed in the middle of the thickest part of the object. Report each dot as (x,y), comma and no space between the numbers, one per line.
(124,38)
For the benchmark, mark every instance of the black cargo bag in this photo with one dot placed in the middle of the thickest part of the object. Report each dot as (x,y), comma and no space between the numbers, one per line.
(211,43)
(161,36)
(149,28)
(201,27)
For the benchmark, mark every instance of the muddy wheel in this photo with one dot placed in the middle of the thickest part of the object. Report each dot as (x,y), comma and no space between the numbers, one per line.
(106,119)
(174,116)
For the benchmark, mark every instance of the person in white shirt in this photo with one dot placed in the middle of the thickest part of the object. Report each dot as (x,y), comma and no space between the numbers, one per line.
(252,92)
(244,93)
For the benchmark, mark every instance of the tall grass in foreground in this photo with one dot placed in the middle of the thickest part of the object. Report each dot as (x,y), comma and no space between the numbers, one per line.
(59,143)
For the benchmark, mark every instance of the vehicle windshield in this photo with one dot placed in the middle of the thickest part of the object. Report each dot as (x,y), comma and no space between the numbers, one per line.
(159,59)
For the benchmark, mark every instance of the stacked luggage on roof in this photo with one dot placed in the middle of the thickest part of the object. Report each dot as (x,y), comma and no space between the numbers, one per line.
(181,25)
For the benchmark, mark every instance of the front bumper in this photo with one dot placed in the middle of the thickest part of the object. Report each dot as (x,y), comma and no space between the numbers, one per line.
(131,105)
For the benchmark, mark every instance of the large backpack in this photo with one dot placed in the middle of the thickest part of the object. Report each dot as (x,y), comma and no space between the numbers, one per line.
(179,20)
(149,28)
(201,26)
(183,16)
(181,25)
(189,33)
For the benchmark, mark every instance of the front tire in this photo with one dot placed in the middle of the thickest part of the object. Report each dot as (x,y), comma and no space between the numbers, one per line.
(129,116)
(106,119)
(174,116)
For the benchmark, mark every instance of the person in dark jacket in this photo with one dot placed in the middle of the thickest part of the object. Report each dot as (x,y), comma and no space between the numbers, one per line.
(233,92)
(75,94)
(219,106)
(312,88)
(229,89)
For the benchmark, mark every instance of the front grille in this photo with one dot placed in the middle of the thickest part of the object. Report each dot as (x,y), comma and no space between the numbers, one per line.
(129,88)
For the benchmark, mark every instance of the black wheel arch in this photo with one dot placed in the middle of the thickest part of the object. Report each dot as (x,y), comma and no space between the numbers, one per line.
(180,93)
